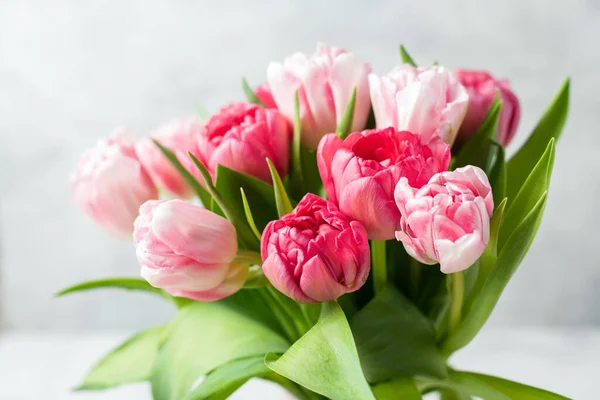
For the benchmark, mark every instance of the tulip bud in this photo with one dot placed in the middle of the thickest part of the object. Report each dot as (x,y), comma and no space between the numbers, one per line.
(324,82)
(110,184)
(241,136)
(315,253)
(482,88)
(447,220)
(181,137)
(361,173)
(188,251)
(428,101)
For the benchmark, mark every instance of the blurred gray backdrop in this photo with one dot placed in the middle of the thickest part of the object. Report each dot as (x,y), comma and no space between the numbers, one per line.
(71,71)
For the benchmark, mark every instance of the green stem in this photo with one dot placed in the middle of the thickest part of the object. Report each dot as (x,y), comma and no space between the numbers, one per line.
(301,326)
(248,256)
(284,320)
(457,293)
(379,264)
(415,277)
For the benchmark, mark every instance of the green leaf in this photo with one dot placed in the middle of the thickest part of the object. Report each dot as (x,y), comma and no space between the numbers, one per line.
(260,196)
(488,258)
(113,283)
(344,128)
(462,383)
(284,206)
(203,195)
(394,338)
(550,126)
(497,175)
(403,388)
(508,260)
(406,58)
(249,216)
(250,95)
(228,378)
(514,390)
(131,362)
(479,149)
(536,184)
(296,174)
(324,360)
(205,336)
(234,214)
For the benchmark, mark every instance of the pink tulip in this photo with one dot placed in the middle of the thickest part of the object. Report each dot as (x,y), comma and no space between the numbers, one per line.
(315,253)
(324,82)
(188,251)
(241,136)
(180,136)
(263,92)
(482,88)
(447,220)
(428,101)
(361,173)
(109,184)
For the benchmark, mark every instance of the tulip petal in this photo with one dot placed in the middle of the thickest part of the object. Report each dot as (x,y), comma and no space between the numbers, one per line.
(317,283)
(328,146)
(461,254)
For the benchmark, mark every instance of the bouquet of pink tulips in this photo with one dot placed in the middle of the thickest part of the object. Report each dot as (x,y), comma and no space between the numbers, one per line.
(340,233)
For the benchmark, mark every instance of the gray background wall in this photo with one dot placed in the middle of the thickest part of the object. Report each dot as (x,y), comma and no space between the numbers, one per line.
(71,71)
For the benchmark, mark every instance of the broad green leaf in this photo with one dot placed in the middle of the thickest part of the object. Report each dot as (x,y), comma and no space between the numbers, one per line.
(402,388)
(250,95)
(480,149)
(497,175)
(406,58)
(284,206)
(324,360)
(488,258)
(344,128)
(234,214)
(549,127)
(203,195)
(536,184)
(131,362)
(205,336)
(508,260)
(462,383)
(394,338)
(310,170)
(259,194)
(228,378)
(514,390)
(448,394)
(113,283)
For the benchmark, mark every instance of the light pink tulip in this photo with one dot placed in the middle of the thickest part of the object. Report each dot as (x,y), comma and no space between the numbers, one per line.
(180,136)
(188,251)
(482,88)
(428,101)
(447,220)
(263,92)
(110,184)
(316,253)
(241,136)
(324,81)
(361,173)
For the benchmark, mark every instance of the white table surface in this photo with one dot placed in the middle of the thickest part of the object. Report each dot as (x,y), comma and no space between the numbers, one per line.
(46,365)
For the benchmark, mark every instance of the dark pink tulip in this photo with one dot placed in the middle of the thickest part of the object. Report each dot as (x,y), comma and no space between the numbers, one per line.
(361,173)
(481,88)
(315,253)
(241,136)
